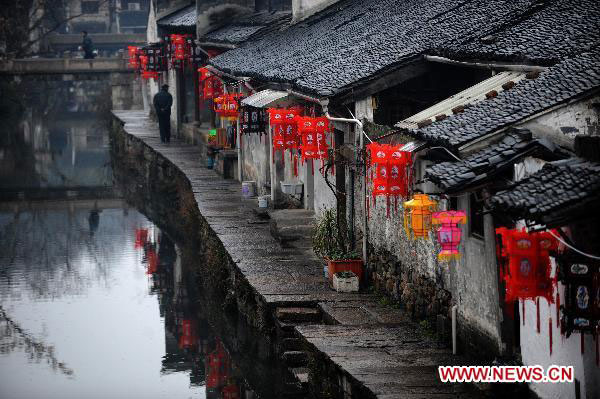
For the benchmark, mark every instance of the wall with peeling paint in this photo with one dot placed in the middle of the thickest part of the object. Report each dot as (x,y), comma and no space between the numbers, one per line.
(563,124)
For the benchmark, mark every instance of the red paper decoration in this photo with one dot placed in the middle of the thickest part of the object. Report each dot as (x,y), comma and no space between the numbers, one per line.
(181,50)
(212,87)
(218,366)
(284,127)
(228,105)
(313,132)
(188,338)
(449,234)
(133,57)
(525,261)
(390,167)
(141,238)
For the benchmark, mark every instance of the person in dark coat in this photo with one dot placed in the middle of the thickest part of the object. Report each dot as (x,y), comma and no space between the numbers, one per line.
(162,104)
(88,46)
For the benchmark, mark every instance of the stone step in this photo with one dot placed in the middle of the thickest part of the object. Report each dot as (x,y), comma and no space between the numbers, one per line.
(295,358)
(298,314)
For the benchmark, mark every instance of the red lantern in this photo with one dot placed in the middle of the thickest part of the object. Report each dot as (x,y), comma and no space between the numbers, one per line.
(141,238)
(313,132)
(227,105)
(218,365)
(284,127)
(449,234)
(188,338)
(152,261)
(133,57)
(390,171)
(525,262)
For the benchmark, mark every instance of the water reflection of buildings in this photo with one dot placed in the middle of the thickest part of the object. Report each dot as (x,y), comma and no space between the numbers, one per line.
(190,345)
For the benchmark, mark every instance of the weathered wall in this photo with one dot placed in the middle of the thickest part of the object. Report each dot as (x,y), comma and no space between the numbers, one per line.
(408,269)
(563,124)
(256,163)
(535,347)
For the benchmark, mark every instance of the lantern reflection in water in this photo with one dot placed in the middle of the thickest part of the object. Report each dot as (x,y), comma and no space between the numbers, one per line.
(449,234)
(417,215)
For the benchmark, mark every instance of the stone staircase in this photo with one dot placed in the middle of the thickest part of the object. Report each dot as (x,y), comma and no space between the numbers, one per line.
(293,228)
(292,352)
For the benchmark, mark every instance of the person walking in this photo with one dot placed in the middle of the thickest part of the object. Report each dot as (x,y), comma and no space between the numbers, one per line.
(162,104)
(88,46)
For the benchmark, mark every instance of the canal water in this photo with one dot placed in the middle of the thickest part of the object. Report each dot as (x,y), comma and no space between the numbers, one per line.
(93,298)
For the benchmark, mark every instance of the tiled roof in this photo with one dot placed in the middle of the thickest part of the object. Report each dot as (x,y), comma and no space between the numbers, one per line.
(552,31)
(453,177)
(186,17)
(250,26)
(571,78)
(557,191)
(353,40)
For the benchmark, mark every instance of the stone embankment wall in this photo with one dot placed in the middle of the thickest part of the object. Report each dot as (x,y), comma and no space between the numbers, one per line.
(164,194)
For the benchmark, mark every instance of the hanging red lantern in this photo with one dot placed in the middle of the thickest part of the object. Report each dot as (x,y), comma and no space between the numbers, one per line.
(389,171)
(152,258)
(417,215)
(133,57)
(284,128)
(525,262)
(313,132)
(449,234)
(227,105)
(141,238)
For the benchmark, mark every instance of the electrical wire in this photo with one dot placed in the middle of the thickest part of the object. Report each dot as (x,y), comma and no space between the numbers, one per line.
(572,247)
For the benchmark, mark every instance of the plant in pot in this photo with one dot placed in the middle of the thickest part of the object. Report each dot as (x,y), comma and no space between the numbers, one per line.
(331,241)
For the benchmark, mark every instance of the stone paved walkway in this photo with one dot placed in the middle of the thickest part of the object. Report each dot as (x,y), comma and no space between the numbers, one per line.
(375,345)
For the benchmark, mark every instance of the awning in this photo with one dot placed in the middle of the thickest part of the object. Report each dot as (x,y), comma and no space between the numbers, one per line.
(472,95)
(264,98)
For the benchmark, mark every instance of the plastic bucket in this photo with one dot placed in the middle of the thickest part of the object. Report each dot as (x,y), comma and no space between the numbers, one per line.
(263,201)
(248,189)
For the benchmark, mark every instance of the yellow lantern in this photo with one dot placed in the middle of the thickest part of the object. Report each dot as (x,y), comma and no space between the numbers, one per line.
(417,215)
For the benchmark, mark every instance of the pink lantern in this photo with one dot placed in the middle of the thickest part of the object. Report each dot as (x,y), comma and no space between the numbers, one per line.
(449,234)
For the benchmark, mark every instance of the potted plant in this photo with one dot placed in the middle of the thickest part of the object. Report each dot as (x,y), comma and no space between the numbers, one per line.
(330,241)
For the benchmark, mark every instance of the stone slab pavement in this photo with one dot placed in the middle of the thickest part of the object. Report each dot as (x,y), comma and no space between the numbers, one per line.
(376,345)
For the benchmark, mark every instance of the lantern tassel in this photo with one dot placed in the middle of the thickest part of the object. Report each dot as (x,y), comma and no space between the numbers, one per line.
(557,308)
(550,333)
(537,314)
(387,211)
(582,335)
(523,307)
